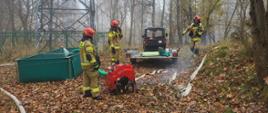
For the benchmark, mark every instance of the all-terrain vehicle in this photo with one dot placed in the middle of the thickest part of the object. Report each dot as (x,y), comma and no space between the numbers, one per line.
(154,47)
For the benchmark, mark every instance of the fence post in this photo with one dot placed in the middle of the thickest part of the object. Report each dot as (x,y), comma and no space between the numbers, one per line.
(12,38)
(66,39)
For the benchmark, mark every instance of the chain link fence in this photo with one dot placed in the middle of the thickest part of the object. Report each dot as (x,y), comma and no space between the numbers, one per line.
(22,43)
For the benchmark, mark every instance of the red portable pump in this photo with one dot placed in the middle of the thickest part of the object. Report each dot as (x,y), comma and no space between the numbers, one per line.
(121,78)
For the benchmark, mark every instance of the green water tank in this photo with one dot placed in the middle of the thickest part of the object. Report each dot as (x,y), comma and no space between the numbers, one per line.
(54,65)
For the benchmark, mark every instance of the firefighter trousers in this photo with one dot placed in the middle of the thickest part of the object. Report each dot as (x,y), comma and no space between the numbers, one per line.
(115,54)
(195,45)
(91,81)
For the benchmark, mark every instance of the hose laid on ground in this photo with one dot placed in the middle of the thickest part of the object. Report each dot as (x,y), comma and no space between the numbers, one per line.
(7,64)
(152,73)
(184,90)
(198,68)
(17,102)
(173,77)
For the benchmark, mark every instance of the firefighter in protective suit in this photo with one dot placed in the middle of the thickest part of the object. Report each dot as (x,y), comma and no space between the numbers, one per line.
(195,32)
(114,37)
(90,64)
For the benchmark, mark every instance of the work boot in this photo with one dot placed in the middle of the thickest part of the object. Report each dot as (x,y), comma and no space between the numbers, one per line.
(197,51)
(97,98)
(87,94)
(192,49)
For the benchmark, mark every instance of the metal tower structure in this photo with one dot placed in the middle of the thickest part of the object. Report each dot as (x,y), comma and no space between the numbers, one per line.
(63,16)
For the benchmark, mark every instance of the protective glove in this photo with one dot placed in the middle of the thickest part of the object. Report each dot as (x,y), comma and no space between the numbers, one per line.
(96,66)
(120,36)
(102,73)
(98,60)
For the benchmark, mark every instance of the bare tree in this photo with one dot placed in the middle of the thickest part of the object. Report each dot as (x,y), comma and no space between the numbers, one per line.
(11,10)
(178,7)
(163,13)
(171,24)
(242,16)
(260,40)
(131,21)
(190,14)
(153,13)
(210,11)
(142,15)
(115,8)
(229,21)
(24,13)
(123,12)
(11,21)
(211,7)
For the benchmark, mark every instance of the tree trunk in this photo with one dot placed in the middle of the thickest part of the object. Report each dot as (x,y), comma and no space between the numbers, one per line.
(134,32)
(171,24)
(142,16)
(260,42)
(115,9)
(195,8)
(178,6)
(12,16)
(131,21)
(23,13)
(111,11)
(92,19)
(163,13)
(125,20)
(190,16)
(242,15)
(207,25)
(228,24)
(153,14)
(24,16)
(123,13)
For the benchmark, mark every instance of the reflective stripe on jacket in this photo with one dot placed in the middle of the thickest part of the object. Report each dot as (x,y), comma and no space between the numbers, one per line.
(87,48)
(196,30)
(114,38)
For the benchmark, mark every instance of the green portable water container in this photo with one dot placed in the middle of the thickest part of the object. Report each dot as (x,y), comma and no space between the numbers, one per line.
(50,66)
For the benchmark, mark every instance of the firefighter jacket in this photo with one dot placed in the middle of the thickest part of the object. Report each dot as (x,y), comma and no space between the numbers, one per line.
(87,53)
(195,30)
(114,37)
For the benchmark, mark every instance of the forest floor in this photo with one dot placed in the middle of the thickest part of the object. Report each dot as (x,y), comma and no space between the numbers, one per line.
(226,83)
(6,104)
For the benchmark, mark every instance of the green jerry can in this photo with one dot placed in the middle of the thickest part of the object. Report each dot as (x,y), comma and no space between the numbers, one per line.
(59,64)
